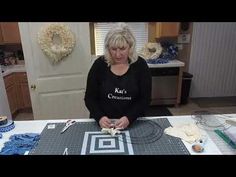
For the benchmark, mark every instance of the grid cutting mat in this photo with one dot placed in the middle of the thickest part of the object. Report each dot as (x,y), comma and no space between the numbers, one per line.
(144,137)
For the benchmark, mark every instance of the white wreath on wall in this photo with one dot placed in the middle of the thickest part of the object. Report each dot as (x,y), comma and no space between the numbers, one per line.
(56,51)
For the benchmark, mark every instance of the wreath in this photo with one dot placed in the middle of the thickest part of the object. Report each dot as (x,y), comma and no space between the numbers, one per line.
(56,41)
(151,51)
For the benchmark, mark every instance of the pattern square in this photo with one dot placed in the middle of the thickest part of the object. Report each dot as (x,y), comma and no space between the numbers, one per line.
(100,143)
(106,143)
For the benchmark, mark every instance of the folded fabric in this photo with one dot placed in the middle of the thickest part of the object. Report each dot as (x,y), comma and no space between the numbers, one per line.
(157,61)
(20,143)
(170,50)
(188,132)
(231,121)
(111,131)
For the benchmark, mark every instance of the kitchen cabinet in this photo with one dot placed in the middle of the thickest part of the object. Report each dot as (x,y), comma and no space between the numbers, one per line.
(10,85)
(167,29)
(12,95)
(1,38)
(25,93)
(17,91)
(9,33)
(166,82)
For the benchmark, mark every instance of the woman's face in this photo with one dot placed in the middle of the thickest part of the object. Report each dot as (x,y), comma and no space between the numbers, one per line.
(119,54)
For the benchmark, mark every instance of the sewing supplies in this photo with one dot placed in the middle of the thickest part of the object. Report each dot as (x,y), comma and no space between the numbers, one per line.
(51,126)
(7,127)
(198,146)
(3,120)
(231,121)
(19,144)
(65,151)
(68,124)
(226,138)
(113,131)
(152,132)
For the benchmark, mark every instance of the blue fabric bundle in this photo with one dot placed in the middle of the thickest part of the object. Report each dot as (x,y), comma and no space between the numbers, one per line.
(20,143)
(157,61)
(170,52)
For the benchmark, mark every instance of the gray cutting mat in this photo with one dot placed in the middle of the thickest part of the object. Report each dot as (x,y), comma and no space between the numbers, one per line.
(144,137)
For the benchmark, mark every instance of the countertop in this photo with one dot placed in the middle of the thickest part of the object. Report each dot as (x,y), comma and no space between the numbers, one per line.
(171,63)
(12,68)
(21,68)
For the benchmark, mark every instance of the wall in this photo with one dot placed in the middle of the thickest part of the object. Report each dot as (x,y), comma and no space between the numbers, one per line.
(212,60)
(184,52)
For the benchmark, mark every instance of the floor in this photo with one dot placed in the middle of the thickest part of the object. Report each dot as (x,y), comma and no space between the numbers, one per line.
(193,106)
(24,116)
(186,109)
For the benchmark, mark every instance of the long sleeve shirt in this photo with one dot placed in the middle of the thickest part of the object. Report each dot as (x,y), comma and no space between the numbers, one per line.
(116,96)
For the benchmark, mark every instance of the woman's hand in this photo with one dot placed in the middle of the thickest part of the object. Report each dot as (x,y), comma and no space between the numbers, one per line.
(105,122)
(122,123)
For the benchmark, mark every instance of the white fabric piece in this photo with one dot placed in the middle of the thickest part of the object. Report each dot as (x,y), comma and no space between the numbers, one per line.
(231,121)
(188,132)
(111,131)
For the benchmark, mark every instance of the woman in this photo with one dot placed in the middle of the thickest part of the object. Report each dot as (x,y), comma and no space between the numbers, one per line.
(119,83)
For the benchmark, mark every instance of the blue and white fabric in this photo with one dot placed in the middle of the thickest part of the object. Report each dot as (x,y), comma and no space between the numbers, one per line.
(169,52)
(7,127)
(20,143)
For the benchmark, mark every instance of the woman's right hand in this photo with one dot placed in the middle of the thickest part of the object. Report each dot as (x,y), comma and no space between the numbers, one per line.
(105,122)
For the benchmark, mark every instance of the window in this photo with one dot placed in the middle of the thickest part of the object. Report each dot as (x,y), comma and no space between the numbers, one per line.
(139,29)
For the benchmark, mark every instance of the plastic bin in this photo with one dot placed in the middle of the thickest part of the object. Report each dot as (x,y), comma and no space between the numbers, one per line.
(186,85)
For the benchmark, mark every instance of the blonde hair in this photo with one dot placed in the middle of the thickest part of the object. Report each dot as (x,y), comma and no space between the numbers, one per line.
(120,36)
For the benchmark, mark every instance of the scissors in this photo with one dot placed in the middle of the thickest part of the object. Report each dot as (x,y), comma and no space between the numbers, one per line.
(68,124)
(65,151)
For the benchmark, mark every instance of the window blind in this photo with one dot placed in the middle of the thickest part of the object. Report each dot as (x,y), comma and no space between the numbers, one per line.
(139,29)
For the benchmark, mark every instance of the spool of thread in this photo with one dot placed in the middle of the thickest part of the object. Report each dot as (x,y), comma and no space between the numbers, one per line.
(7,127)
(3,120)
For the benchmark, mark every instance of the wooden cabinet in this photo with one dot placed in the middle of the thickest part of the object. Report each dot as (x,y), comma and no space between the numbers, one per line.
(167,29)
(23,84)
(1,38)
(17,91)
(11,92)
(9,33)
(26,95)
(12,95)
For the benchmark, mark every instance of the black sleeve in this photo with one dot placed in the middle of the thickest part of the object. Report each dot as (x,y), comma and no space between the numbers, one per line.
(92,92)
(139,107)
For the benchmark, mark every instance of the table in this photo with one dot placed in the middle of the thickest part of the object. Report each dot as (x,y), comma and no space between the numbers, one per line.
(213,146)
(173,67)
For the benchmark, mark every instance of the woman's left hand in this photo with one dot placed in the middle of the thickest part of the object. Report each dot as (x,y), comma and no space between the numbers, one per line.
(122,123)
